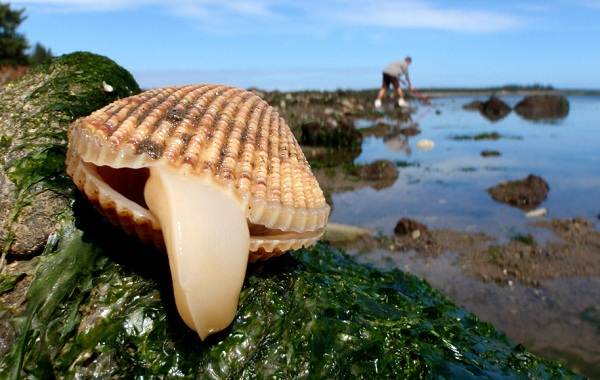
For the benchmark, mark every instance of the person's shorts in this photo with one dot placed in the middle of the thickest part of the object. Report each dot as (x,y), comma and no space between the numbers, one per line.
(388,79)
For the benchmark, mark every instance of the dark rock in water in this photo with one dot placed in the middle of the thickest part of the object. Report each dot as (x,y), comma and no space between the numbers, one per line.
(406,226)
(438,112)
(490,153)
(543,107)
(382,171)
(322,157)
(475,105)
(377,130)
(332,133)
(494,109)
(413,130)
(35,112)
(526,194)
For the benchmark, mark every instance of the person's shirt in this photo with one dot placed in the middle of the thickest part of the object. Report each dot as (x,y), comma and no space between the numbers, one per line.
(396,69)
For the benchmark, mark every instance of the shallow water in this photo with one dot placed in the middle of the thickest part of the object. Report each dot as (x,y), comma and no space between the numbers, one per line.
(447,186)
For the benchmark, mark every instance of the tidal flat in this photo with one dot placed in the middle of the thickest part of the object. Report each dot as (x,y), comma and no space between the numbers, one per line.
(535,276)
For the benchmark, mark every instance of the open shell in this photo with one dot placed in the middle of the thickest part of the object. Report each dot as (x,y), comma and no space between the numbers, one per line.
(226,134)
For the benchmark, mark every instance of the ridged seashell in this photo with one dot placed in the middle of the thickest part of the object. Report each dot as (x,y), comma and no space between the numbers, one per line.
(209,172)
(229,134)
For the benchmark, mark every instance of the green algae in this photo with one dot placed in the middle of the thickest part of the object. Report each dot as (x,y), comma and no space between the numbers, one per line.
(8,282)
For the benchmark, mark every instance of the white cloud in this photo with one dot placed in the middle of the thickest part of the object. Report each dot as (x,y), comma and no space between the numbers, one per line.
(379,13)
(422,14)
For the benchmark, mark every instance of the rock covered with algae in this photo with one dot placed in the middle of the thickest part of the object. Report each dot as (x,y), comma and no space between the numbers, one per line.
(35,112)
(99,305)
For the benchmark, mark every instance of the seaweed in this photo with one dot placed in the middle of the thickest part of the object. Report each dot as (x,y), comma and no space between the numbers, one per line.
(8,282)
(484,136)
(100,309)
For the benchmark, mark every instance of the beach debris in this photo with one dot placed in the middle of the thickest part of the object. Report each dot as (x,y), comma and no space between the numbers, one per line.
(107,87)
(194,184)
(425,145)
(344,233)
(490,153)
(407,226)
(526,194)
(537,213)
(543,107)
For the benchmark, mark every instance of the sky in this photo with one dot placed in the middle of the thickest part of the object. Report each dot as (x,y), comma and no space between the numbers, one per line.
(328,44)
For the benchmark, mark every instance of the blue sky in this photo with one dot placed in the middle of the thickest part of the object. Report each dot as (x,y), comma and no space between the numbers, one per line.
(294,44)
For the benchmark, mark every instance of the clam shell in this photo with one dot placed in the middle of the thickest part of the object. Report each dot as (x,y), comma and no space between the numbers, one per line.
(226,134)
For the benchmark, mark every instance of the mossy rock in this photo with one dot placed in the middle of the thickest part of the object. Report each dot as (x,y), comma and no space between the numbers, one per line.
(103,308)
(339,134)
(35,112)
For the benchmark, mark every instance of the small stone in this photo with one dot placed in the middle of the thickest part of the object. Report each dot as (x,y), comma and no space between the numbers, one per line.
(407,226)
(416,234)
(526,194)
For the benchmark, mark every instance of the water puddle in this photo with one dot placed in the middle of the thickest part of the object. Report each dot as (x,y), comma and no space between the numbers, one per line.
(446,187)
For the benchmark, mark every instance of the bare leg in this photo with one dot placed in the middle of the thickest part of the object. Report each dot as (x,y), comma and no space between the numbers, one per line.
(398,89)
(380,96)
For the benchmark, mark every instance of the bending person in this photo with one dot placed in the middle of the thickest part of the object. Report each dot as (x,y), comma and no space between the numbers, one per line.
(392,74)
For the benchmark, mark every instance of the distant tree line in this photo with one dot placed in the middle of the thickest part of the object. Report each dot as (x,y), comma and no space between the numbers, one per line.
(13,45)
(535,86)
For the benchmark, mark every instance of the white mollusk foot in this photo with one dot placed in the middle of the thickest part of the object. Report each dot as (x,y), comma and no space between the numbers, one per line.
(207,240)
